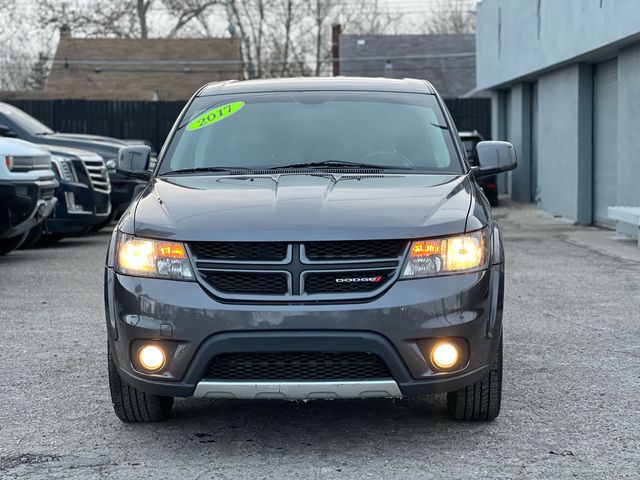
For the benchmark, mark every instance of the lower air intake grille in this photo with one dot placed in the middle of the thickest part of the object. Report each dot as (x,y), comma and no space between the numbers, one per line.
(297,366)
(47,193)
(248,282)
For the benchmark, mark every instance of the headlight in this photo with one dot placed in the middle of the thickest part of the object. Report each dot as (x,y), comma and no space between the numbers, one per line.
(439,256)
(111,164)
(63,167)
(152,258)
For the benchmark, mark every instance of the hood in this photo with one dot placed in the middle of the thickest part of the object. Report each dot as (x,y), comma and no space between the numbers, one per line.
(302,207)
(99,138)
(20,148)
(70,152)
(106,147)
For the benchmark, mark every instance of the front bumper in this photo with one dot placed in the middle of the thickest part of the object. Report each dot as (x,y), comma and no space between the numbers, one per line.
(193,328)
(24,204)
(95,207)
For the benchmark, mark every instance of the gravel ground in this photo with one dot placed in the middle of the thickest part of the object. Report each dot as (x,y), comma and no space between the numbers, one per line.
(570,400)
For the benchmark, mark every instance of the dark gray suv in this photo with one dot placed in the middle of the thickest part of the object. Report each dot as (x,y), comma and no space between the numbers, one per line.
(308,239)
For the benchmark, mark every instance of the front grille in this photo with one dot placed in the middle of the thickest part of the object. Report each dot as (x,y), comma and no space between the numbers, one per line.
(97,172)
(305,272)
(366,249)
(67,170)
(47,193)
(29,163)
(270,283)
(345,282)
(297,366)
(239,251)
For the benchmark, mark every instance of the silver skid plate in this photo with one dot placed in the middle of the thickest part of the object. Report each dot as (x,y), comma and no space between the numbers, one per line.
(297,390)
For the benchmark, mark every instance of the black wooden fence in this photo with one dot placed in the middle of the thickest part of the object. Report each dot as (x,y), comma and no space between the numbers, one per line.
(471,114)
(152,120)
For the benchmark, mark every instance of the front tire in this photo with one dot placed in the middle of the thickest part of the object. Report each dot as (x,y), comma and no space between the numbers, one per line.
(32,238)
(9,244)
(50,239)
(481,400)
(132,405)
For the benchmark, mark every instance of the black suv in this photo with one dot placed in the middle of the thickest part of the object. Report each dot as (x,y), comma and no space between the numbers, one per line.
(83,195)
(16,123)
(489,184)
(304,239)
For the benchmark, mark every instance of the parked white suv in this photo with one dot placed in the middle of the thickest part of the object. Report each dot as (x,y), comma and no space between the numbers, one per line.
(27,190)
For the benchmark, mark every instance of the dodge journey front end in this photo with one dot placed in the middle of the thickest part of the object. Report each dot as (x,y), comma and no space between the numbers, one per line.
(308,239)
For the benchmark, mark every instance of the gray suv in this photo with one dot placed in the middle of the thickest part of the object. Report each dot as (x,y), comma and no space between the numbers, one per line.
(308,239)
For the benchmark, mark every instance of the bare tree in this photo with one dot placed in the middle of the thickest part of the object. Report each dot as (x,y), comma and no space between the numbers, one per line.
(456,16)
(249,17)
(321,11)
(373,18)
(362,17)
(186,12)
(127,18)
(288,20)
(291,37)
(270,31)
(142,10)
(278,37)
(23,65)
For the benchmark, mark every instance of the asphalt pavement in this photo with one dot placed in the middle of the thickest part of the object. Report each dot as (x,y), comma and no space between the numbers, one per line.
(570,401)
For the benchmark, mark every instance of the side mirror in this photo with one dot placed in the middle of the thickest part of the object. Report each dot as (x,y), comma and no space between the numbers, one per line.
(495,157)
(5,131)
(133,161)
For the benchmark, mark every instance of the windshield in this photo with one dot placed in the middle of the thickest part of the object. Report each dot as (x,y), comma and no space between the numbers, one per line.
(400,131)
(15,117)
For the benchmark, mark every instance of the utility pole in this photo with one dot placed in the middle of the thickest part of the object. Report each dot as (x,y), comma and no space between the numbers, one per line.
(336,29)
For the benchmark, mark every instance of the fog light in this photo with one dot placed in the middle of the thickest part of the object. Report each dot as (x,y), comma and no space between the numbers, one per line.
(151,357)
(444,355)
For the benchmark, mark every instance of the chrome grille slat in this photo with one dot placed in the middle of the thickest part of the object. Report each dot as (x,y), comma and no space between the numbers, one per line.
(68,173)
(47,193)
(97,172)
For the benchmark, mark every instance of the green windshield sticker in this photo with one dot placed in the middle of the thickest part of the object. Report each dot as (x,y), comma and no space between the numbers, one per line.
(215,115)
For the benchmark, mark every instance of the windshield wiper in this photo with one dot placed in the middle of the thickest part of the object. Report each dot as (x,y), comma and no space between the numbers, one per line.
(335,164)
(181,171)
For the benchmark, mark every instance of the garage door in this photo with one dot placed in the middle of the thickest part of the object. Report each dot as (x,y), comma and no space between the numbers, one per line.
(605,141)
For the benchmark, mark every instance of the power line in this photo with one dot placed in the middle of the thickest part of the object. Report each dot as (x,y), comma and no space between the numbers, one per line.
(70,62)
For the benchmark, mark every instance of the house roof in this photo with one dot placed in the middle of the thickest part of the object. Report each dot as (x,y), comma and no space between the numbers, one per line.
(447,61)
(140,69)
